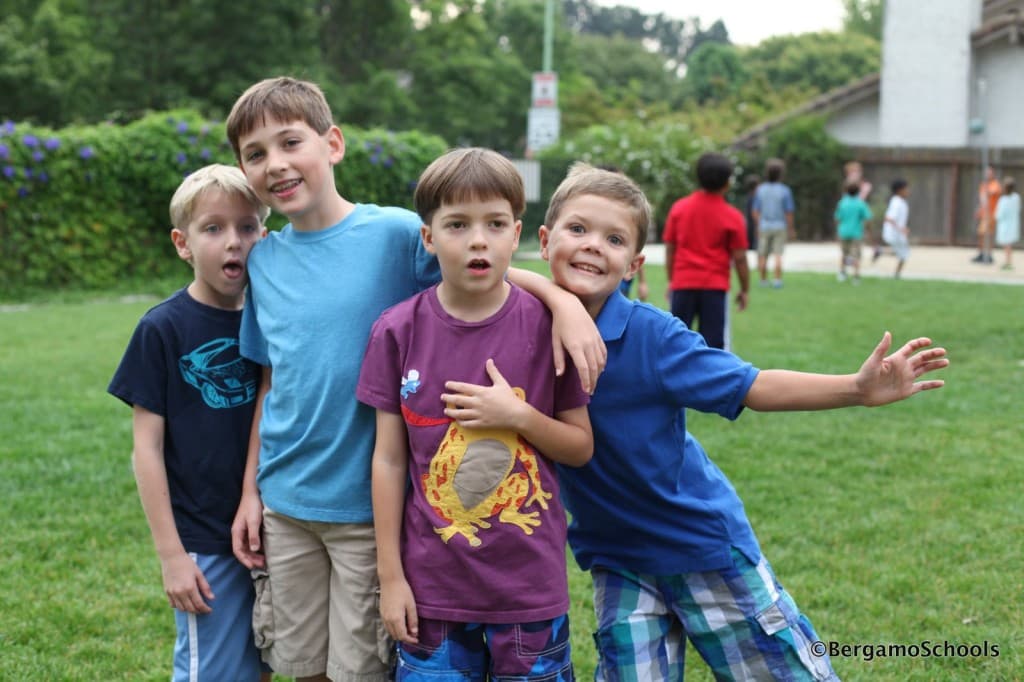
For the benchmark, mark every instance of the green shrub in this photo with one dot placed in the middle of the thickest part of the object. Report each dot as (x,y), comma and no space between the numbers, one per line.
(86,207)
(661,158)
(814,170)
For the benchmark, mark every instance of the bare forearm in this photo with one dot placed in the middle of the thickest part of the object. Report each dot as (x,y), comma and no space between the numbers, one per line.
(155,495)
(567,440)
(670,255)
(252,459)
(390,469)
(780,390)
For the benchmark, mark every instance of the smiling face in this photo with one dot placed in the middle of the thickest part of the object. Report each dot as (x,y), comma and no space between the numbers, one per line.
(591,248)
(216,241)
(474,241)
(290,166)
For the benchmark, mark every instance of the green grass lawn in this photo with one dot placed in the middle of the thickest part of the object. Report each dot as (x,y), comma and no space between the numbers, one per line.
(895,525)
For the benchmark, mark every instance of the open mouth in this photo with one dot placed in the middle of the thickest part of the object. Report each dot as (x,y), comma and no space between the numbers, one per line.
(233,270)
(479,265)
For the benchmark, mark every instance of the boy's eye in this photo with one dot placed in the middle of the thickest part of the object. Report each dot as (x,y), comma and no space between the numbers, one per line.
(576,228)
(616,240)
(498,224)
(254,156)
(291,142)
(211,228)
(455,225)
(250,227)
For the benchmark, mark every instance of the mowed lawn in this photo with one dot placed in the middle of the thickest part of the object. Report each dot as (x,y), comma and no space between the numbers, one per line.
(900,525)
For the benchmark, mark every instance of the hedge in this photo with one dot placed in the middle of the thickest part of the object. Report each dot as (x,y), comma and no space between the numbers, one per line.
(86,206)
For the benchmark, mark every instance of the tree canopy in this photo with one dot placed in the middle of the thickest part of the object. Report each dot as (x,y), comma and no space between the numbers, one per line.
(460,69)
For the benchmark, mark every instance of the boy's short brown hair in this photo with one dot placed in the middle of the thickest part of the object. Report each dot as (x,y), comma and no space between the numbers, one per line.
(584,179)
(471,173)
(281,99)
(217,176)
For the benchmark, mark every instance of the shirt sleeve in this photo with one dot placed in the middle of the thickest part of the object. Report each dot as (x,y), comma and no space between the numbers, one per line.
(141,377)
(252,344)
(788,205)
(697,376)
(380,379)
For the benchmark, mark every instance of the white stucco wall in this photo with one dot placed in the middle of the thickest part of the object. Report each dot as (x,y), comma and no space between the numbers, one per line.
(1002,107)
(926,72)
(856,124)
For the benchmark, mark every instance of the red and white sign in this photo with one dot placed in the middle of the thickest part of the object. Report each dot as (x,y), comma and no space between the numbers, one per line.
(545,90)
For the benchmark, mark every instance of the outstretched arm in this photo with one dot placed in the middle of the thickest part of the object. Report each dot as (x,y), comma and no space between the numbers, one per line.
(881,380)
(572,329)
(567,439)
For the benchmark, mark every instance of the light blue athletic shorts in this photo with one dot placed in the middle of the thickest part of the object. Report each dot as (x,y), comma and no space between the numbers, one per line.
(219,645)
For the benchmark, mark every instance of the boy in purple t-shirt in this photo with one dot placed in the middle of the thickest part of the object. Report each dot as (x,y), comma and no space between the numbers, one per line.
(470,528)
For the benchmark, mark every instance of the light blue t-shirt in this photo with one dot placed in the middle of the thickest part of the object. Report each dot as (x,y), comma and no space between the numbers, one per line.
(773,200)
(650,500)
(312,299)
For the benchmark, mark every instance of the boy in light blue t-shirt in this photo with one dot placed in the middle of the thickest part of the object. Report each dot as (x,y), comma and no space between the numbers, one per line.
(316,288)
(852,214)
(660,527)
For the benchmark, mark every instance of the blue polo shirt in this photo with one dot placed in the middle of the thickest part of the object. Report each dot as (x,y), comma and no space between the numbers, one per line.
(650,500)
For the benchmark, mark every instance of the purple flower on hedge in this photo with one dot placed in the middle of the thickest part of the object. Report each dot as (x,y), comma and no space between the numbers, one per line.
(9,172)
(5,153)
(205,130)
(374,159)
(388,162)
(28,173)
(8,128)
(52,143)
(183,127)
(23,191)
(204,154)
(38,156)
(30,140)
(181,158)
(43,177)
(86,152)
(192,140)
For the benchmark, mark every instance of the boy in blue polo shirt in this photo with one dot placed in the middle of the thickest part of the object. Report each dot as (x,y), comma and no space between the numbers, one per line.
(659,526)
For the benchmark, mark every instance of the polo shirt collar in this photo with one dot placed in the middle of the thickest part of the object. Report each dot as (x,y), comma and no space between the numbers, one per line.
(614,316)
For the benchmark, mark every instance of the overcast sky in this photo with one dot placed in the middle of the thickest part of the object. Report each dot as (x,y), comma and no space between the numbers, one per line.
(749,21)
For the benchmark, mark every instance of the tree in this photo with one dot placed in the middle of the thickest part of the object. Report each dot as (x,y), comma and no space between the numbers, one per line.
(864,17)
(814,61)
(48,59)
(715,71)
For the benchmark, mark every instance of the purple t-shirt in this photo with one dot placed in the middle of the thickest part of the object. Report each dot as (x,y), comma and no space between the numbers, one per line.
(483,535)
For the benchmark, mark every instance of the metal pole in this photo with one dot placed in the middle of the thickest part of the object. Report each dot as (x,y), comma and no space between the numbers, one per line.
(549,32)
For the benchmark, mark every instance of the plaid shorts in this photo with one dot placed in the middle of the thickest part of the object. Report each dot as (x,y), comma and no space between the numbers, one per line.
(741,621)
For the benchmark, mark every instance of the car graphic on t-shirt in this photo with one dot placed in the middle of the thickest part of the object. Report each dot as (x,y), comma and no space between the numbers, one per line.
(220,373)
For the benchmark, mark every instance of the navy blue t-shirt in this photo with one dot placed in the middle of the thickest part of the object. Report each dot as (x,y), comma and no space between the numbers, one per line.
(183,364)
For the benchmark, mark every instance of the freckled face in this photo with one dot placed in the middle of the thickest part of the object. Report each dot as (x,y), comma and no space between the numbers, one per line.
(591,248)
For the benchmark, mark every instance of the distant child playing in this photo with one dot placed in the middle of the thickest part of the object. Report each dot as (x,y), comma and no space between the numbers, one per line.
(705,239)
(192,397)
(663,532)
(852,214)
(1008,220)
(895,232)
(470,528)
(316,289)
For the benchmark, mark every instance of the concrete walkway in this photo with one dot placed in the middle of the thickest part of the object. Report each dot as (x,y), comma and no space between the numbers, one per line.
(926,262)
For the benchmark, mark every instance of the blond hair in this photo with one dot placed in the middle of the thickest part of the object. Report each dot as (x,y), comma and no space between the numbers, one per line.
(471,173)
(586,180)
(281,99)
(217,176)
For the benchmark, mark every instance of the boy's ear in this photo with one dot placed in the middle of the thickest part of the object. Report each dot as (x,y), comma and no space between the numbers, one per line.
(545,236)
(428,238)
(336,143)
(180,240)
(635,265)
(519,232)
